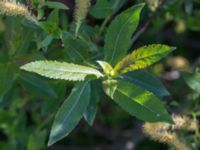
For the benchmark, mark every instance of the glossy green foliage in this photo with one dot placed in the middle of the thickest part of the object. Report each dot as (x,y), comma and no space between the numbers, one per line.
(70,113)
(61,70)
(147,81)
(92,107)
(140,103)
(142,58)
(95,55)
(120,31)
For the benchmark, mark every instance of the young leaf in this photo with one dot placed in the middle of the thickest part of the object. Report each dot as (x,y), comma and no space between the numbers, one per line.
(70,112)
(142,57)
(61,70)
(118,37)
(107,68)
(140,103)
(147,81)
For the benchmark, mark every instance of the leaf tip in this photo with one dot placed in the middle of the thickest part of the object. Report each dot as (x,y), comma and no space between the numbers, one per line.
(24,67)
(168,119)
(171,121)
(50,143)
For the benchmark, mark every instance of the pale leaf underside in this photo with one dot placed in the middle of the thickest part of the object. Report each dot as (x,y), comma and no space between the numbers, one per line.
(61,70)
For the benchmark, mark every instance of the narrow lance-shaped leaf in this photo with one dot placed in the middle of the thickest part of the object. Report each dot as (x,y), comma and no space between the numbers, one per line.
(142,58)
(140,103)
(61,70)
(70,112)
(147,81)
(118,37)
(91,110)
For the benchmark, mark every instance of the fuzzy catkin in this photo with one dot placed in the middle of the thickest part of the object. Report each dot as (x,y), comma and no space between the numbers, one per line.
(80,13)
(160,131)
(12,8)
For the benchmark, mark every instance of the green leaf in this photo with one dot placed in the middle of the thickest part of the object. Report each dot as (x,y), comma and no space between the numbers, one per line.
(147,81)
(46,42)
(109,87)
(70,112)
(51,104)
(75,48)
(91,110)
(140,103)
(101,9)
(118,37)
(61,70)
(6,78)
(56,5)
(51,26)
(142,58)
(35,84)
(192,80)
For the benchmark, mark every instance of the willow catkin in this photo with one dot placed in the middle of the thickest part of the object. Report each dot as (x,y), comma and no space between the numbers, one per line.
(160,131)
(81,11)
(12,8)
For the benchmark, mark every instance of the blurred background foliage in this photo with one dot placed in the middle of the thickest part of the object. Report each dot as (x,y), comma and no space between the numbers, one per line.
(28,102)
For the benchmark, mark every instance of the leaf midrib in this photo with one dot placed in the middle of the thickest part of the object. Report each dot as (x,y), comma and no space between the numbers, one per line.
(118,35)
(154,54)
(87,71)
(139,103)
(134,60)
(76,102)
(131,79)
(78,53)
